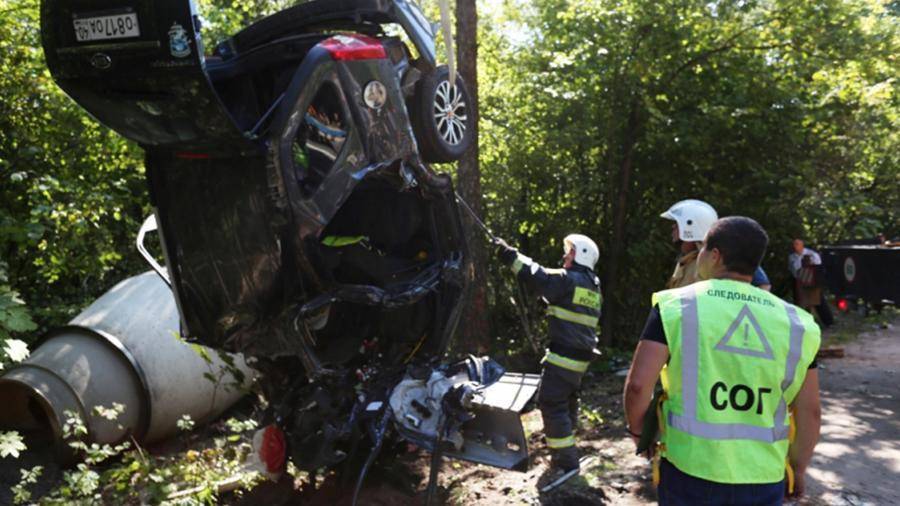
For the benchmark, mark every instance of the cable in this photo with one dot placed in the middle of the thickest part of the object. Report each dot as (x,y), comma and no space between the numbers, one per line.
(379,441)
(436,455)
(522,309)
(474,216)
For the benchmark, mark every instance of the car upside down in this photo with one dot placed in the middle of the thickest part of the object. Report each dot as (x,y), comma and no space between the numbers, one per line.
(299,219)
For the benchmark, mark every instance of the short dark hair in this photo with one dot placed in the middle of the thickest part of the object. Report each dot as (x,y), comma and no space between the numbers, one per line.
(741,242)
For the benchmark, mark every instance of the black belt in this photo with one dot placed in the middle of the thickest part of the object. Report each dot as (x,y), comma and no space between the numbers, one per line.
(573,353)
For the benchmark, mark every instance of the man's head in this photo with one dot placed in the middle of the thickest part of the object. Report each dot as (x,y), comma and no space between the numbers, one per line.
(734,245)
(580,249)
(798,246)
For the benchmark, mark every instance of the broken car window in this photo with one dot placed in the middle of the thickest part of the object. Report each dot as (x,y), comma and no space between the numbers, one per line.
(321,137)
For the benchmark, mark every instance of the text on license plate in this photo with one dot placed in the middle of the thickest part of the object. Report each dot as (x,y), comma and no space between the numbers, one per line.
(112,26)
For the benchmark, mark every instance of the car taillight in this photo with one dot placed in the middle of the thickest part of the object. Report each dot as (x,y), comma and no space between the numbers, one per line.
(353,47)
(270,448)
(842,304)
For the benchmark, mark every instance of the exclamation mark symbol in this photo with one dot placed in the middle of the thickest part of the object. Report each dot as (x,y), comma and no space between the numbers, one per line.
(746,334)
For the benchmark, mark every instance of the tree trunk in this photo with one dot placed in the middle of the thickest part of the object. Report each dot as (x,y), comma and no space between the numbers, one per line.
(617,244)
(475,329)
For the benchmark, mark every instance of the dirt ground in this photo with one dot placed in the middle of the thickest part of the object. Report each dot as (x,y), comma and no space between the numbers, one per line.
(857,460)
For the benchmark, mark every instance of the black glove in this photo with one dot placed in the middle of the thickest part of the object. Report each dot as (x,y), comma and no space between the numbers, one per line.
(506,253)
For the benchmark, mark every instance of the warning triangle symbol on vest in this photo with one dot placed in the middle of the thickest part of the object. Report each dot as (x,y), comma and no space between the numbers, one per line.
(745,337)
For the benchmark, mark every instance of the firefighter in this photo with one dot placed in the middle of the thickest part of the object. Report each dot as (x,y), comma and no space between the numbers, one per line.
(692,220)
(573,295)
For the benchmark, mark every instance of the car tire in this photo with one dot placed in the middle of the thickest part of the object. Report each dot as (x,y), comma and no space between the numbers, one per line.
(440,117)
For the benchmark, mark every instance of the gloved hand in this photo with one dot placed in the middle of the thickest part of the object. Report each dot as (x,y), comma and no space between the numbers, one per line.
(506,253)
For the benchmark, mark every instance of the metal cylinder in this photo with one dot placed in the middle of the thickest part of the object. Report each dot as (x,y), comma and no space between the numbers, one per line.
(124,348)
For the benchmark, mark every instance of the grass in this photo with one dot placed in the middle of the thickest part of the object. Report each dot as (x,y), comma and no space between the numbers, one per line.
(849,325)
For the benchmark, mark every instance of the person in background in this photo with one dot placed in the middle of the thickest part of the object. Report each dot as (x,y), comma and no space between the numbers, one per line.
(761,280)
(692,218)
(805,266)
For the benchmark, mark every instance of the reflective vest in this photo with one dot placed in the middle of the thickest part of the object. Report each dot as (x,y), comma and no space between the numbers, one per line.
(738,357)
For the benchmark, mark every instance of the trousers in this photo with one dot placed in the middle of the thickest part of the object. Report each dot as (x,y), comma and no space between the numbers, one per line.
(677,488)
(558,401)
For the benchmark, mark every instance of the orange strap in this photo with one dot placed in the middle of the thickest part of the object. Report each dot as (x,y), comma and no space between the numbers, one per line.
(788,470)
(660,447)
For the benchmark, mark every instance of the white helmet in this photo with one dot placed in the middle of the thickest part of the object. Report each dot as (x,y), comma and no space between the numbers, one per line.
(586,251)
(694,218)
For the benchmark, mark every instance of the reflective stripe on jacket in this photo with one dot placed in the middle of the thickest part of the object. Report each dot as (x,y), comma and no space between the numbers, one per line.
(738,357)
(574,298)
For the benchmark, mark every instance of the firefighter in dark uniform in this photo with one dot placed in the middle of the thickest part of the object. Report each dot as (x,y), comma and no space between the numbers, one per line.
(573,295)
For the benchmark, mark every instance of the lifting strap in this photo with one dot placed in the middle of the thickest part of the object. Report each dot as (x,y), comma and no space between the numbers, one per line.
(660,446)
(788,470)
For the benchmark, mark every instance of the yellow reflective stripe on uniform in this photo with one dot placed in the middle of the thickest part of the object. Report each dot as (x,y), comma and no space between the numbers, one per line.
(587,298)
(566,363)
(573,317)
(337,241)
(560,442)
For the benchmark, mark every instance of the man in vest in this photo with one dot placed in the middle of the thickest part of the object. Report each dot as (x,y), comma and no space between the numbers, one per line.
(738,371)
(573,294)
(692,218)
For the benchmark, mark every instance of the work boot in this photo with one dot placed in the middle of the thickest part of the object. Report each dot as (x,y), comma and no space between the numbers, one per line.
(555,477)
(564,458)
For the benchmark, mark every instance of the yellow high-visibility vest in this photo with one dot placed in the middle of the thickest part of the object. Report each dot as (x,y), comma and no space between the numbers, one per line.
(738,357)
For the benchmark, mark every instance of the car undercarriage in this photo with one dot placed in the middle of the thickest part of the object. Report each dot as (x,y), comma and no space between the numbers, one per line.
(299,220)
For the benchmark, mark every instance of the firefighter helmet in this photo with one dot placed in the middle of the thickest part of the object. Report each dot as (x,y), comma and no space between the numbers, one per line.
(694,218)
(586,251)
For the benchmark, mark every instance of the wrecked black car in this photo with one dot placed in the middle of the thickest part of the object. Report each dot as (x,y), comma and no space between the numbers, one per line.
(299,221)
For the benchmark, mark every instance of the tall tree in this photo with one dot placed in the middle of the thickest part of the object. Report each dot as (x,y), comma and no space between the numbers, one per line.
(475,331)
(602,113)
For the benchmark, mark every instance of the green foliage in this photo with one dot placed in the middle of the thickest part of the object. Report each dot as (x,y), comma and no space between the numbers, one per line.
(13,350)
(592,417)
(223,18)
(73,428)
(239,426)
(71,191)
(72,196)
(21,494)
(124,474)
(788,112)
(111,413)
(11,443)
(185,423)
(78,486)
(14,318)
(783,111)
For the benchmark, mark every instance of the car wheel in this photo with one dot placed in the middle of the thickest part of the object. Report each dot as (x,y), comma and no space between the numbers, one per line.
(441,117)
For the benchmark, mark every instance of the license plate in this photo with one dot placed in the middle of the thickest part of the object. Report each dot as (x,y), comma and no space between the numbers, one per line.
(118,25)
